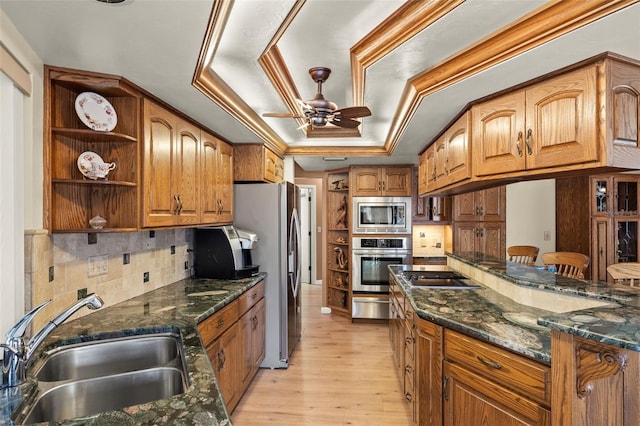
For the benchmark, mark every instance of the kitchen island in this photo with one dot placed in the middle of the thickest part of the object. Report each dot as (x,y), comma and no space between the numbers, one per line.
(527,319)
(176,308)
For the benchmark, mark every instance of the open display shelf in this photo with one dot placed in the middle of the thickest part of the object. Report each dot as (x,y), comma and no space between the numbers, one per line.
(71,198)
(338,268)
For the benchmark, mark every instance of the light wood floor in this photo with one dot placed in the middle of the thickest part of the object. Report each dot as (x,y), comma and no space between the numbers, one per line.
(340,374)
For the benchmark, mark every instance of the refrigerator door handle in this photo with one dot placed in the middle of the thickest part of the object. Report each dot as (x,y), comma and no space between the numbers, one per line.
(295,260)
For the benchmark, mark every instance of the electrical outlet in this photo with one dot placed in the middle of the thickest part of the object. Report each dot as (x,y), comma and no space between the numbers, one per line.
(97,265)
(186,264)
(547,235)
(145,277)
(173,249)
(51,273)
(126,258)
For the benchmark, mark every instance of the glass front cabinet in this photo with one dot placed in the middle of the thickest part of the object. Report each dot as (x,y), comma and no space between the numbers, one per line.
(615,221)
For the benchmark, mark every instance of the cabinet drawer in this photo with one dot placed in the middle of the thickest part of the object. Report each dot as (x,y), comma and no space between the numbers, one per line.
(250,297)
(217,323)
(521,374)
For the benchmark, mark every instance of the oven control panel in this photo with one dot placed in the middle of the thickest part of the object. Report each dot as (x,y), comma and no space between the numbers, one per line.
(382,243)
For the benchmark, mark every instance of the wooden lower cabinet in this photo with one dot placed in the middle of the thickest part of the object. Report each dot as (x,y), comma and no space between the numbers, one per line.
(470,400)
(429,356)
(484,381)
(224,354)
(234,338)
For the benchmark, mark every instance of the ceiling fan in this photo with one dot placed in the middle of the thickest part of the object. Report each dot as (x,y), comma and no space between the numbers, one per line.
(318,111)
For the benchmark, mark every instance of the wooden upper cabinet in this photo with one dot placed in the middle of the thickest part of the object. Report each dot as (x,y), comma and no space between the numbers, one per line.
(381,181)
(549,124)
(480,206)
(458,160)
(159,165)
(216,202)
(224,183)
(257,163)
(187,182)
(447,160)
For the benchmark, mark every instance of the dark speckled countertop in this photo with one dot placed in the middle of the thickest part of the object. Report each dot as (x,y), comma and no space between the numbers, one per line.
(491,316)
(178,307)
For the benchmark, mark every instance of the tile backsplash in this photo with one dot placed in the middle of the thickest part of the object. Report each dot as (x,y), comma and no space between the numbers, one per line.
(60,266)
(429,240)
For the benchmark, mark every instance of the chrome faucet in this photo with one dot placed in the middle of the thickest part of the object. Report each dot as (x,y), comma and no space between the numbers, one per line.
(17,352)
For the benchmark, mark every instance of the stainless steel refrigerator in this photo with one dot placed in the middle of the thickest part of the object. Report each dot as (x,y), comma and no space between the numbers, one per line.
(271,211)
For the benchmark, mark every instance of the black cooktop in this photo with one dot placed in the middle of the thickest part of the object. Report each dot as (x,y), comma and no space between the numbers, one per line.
(439,279)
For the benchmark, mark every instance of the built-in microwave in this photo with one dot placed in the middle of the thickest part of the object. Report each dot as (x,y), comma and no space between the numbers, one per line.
(381,215)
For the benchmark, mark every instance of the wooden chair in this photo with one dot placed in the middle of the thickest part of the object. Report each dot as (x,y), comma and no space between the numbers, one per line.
(526,255)
(625,273)
(566,263)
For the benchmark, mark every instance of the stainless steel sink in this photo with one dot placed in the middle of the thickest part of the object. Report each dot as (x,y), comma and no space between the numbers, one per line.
(94,377)
(104,357)
(90,396)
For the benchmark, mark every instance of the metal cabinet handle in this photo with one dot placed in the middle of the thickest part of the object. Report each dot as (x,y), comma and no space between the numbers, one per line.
(519,144)
(528,141)
(491,364)
(220,323)
(222,358)
(176,210)
(408,369)
(408,397)
(179,203)
(445,391)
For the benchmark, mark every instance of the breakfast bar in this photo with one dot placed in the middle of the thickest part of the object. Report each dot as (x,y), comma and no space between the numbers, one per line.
(521,341)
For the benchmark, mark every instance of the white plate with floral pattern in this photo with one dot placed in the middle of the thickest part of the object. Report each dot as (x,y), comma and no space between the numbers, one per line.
(96,112)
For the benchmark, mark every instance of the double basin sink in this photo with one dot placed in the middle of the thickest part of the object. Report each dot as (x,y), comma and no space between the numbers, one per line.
(93,377)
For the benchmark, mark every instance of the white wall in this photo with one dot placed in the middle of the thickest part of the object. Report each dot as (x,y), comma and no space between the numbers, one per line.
(23,170)
(531,211)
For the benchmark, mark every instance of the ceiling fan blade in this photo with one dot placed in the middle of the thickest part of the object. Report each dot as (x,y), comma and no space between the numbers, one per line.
(344,122)
(306,124)
(353,112)
(281,115)
(305,106)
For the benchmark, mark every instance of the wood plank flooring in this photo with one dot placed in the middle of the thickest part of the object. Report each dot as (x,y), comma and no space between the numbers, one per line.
(340,374)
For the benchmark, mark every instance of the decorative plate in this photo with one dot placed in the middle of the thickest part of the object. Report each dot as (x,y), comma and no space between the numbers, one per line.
(86,162)
(96,112)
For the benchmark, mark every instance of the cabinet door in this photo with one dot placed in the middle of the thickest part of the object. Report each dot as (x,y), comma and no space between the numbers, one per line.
(469,397)
(601,196)
(561,118)
(396,181)
(491,239)
(160,170)
(224,183)
(465,208)
(498,135)
(365,181)
(187,178)
(429,357)
(224,354)
(258,335)
(458,160)
(601,248)
(441,162)
(430,168)
(209,204)
(421,181)
(492,204)
(419,205)
(464,234)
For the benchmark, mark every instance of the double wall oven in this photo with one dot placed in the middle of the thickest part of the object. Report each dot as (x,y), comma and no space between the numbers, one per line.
(370,275)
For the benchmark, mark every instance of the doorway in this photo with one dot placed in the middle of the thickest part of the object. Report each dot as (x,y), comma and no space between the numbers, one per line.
(308,236)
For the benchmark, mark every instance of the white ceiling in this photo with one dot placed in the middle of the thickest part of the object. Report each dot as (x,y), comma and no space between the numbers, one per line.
(156,43)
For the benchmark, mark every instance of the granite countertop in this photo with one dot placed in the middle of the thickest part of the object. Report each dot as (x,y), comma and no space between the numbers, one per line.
(178,307)
(491,316)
